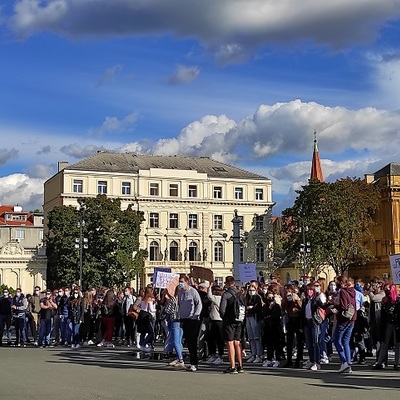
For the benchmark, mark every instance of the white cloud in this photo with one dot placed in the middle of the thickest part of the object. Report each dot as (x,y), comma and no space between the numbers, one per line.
(229,27)
(7,155)
(184,75)
(115,125)
(41,171)
(23,190)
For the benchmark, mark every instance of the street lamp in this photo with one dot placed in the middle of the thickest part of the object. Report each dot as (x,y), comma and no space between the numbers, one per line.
(81,243)
(305,246)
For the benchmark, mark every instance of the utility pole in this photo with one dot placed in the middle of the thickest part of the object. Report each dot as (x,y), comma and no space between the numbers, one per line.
(81,243)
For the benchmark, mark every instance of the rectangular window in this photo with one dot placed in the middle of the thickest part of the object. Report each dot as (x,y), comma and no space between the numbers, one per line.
(217,192)
(192,221)
(20,234)
(192,190)
(154,189)
(259,223)
(77,186)
(102,187)
(126,188)
(41,234)
(173,220)
(259,194)
(239,193)
(173,190)
(154,220)
(217,221)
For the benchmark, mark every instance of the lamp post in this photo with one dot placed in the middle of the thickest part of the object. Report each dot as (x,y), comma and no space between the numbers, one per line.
(81,243)
(305,246)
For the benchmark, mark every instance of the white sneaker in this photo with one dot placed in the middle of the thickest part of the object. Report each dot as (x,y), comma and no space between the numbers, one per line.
(275,364)
(90,342)
(72,346)
(193,368)
(109,344)
(314,367)
(257,360)
(344,367)
(77,346)
(324,360)
(251,359)
(268,363)
(211,359)
(218,361)
(101,344)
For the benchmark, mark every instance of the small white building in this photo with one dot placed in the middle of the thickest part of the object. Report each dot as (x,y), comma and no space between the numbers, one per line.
(23,260)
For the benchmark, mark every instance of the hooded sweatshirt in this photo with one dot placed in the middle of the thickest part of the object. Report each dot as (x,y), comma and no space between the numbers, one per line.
(346,295)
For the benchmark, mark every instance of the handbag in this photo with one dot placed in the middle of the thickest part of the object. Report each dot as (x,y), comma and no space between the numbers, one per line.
(319,315)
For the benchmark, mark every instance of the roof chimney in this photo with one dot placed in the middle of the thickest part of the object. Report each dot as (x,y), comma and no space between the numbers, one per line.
(62,165)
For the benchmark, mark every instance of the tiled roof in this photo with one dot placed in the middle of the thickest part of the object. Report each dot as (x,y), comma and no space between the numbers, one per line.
(10,210)
(132,163)
(392,169)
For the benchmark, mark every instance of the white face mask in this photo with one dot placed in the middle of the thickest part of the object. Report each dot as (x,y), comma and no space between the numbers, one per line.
(317,289)
(67,294)
(127,293)
(332,287)
(76,295)
(48,295)
(36,292)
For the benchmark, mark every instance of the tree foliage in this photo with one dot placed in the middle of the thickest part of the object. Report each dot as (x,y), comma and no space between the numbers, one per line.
(335,218)
(113,256)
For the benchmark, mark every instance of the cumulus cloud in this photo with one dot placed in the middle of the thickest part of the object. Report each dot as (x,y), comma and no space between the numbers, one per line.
(23,190)
(44,150)
(226,26)
(109,74)
(115,125)
(77,151)
(7,155)
(184,75)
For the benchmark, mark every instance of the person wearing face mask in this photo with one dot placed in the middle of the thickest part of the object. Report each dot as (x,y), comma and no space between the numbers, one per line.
(253,323)
(56,318)
(63,308)
(5,316)
(35,310)
(19,308)
(190,306)
(292,305)
(47,307)
(75,316)
(129,322)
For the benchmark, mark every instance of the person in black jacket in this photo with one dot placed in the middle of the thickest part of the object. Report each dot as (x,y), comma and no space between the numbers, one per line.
(47,308)
(5,316)
(75,315)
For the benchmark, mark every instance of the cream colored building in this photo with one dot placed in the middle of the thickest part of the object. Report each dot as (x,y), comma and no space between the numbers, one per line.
(23,260)
(188,205)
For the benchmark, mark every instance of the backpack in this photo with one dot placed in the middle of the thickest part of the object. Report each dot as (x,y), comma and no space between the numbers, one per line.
(239,306)
(349,312)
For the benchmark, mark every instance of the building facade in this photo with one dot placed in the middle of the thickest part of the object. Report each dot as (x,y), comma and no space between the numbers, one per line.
(386,228)
(188,205)
(22,254)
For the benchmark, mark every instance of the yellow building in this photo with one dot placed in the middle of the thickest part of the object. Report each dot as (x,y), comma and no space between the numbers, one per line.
(386,230)
(188,205)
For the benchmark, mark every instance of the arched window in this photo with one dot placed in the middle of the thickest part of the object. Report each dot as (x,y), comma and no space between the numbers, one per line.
(173,251)
(154,251)
(218,252)
(260,253)
(193,251)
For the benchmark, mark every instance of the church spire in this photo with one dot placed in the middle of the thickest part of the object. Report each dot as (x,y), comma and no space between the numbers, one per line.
(316,170)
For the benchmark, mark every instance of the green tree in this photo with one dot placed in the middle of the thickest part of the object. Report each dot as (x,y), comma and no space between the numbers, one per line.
(113,256)
(338,218)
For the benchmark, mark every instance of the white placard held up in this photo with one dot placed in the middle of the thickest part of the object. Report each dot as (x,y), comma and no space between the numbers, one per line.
(163,279)
(395,266)
(247,272)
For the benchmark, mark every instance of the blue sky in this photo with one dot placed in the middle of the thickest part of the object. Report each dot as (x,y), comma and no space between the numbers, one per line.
(244,81)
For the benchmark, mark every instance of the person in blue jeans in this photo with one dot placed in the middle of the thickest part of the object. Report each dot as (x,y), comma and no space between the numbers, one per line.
(75,316)
(47,308)
(345,324)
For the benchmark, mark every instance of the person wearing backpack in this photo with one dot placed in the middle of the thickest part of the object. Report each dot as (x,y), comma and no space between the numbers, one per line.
(346,315)
(232,312)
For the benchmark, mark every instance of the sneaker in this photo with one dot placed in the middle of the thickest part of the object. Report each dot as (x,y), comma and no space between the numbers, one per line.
(77,346)
(344,367)
(314,367)
(101,344)
(251,359)
(173,363)
(231,371)
(258,360)
(72,346)
(193,368)
(268,363)
(324,360)
(218,361)
(34,343)
(240,370)
(378,366)
(110,345)
(211,359)
(85,343)
(90,342)
(348,371)
(307,365)
(275,364)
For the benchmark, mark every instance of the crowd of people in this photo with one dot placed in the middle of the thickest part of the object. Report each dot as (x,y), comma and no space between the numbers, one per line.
(262,322)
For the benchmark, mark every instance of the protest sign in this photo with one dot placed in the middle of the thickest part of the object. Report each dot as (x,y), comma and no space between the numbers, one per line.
(247,272)
(395,266)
